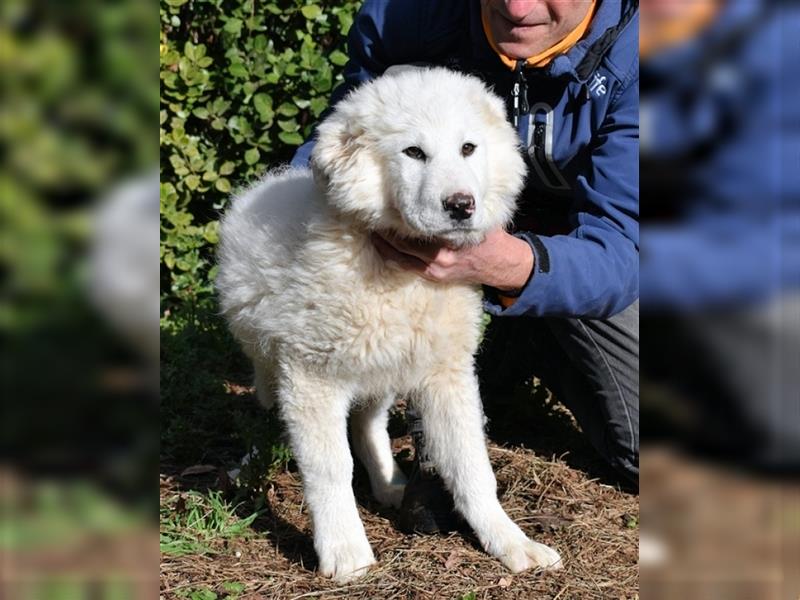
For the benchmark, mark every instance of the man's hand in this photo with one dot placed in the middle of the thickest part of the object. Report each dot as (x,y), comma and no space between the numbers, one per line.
(501,261)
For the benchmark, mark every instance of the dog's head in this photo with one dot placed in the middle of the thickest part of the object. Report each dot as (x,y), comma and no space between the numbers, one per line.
(424,153)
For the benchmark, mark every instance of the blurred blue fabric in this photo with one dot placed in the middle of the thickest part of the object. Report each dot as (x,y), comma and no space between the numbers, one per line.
(720,176)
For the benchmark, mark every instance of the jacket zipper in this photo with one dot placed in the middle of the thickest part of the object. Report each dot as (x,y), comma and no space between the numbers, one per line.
(539,133)
(520,93)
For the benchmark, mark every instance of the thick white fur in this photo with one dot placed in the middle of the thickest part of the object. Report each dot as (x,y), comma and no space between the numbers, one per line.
(334,331)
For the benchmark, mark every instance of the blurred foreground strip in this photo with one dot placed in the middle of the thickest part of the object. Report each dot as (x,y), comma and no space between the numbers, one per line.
(709,532)
(78,427)
(720,299)
(69,539)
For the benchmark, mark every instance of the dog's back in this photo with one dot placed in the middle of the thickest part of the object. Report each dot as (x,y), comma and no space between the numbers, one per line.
(260,235)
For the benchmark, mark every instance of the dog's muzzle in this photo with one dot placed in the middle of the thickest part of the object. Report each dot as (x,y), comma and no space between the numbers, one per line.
(459,206)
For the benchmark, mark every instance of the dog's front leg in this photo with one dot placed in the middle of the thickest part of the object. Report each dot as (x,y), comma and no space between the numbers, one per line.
(452,420)
(315,413)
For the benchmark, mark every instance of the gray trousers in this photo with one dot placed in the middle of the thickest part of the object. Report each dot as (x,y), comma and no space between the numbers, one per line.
(592,367)
(736,372)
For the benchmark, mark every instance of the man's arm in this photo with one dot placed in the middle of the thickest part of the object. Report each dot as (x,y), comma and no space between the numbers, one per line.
(594,271)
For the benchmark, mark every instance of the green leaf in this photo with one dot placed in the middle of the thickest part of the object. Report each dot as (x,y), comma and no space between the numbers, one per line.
(249,87)
(227,168)
(263,104)
(288,125)
(192,181)
(631,521)
(203,594)
(311,11)
(338,58)
(323,81)
(292,139)
(238,70)
(223,185)
(220,105)
(251,156)
(287,110)
(345,22)
(176,161)
(233,587)
(233,26)
(260,43)
(211,232)
(318,105)
(193,52)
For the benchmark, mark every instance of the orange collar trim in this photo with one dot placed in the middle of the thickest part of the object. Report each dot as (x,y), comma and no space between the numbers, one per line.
(506,301)
(543,58)
(671,32)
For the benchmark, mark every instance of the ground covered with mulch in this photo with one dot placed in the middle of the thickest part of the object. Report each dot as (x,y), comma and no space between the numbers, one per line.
(549,481)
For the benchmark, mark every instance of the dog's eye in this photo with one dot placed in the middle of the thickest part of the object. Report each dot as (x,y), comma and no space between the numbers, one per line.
(467,149)
(415,153)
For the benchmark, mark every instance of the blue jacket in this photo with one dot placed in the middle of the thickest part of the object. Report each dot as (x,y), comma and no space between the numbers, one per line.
(720,141)
(579,125)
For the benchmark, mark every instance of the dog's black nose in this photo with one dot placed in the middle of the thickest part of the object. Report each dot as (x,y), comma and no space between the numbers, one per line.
(460,206)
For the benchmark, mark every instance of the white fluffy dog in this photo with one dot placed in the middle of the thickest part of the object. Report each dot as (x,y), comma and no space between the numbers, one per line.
(334,330)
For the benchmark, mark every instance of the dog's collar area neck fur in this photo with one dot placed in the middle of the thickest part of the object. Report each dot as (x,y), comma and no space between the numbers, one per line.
(427,240)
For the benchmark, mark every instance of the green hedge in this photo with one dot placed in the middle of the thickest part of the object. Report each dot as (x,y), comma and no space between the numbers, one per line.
(242,83)
(78,104)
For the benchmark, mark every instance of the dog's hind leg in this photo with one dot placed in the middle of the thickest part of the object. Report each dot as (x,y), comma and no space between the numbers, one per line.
(315,413)
(452,418)
(265,386)
(372,446)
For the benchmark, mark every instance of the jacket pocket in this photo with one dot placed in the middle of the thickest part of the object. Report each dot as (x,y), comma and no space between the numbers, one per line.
(540,147)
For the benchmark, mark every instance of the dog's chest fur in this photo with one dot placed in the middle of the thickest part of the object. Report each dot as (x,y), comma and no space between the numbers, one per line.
(361,315)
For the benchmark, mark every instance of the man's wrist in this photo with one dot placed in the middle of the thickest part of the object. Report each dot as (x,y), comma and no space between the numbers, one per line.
(519,274)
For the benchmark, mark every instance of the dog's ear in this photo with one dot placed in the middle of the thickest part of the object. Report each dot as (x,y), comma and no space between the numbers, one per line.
(493,109)
(506,165)
(336,146)
(345,165)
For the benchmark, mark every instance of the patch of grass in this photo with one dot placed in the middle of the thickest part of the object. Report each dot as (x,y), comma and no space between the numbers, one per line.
(72,588)
(191,521)
(230,590)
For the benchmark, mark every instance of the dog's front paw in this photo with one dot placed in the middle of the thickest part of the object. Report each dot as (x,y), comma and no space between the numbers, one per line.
(345,559)
(512,547)
(527,554)
(523,554)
